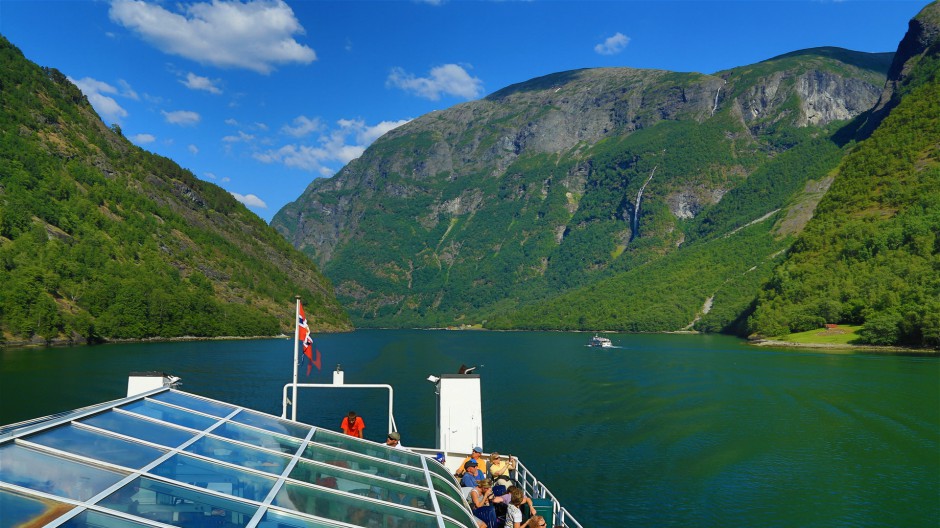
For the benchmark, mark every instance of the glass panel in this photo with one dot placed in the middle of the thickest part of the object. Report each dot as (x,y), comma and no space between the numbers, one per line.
(169,414)
(270,423)
(258,438)
(349,443)
(438,469)
(130,425)
(453,509)
(216,477)
(360,484)
(96,519)
(278,519)
(345,459)
(451,524)
(238,454)
(99,446)
(164,502)
(195,403)
(444,487)
(59,476)
(22,510)
(350,509)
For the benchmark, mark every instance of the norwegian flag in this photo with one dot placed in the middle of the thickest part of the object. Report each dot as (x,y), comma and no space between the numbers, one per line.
(303,333)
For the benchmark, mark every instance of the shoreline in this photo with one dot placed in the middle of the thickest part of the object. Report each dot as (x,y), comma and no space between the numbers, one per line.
(846,348)
(824,347)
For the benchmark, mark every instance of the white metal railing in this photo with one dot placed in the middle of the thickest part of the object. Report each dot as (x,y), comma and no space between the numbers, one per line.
(285,400)
(535,489)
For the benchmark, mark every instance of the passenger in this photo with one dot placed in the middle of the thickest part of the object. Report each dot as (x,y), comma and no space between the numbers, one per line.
(527,508)
(480,502)
(472,474)
(353,425)
(513,513)
(535,522)
(499,469)
(475,455)
(394,440)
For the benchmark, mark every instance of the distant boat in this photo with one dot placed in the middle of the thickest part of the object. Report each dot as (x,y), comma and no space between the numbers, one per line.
(601,342)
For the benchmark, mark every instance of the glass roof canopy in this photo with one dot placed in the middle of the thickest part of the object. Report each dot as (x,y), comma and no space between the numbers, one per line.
(169,458)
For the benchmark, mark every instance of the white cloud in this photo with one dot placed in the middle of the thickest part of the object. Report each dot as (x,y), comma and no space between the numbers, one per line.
(127,91)
(94,90)
(195,82)
(242,137)
(231,122)
(193,149)
(340,145)
(181,117)
(612,45)
(143,139)
(302,125)
(256,35)
(250,200)
(449,79)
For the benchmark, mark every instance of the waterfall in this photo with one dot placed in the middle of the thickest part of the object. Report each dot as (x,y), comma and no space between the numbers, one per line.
(635,225)
(716,100)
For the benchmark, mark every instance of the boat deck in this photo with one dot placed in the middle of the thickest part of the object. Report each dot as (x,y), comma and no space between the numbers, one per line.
(170,458)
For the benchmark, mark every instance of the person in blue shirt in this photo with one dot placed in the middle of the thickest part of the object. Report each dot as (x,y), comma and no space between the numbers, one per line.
(471,475)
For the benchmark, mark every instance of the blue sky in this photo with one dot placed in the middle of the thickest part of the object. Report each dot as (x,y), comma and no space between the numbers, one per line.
(263,96)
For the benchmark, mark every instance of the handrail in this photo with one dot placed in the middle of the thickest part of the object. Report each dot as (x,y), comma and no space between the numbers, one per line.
(534,488)
(285,401)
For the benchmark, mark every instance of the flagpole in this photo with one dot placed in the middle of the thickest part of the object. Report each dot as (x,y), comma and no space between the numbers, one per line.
(293,406)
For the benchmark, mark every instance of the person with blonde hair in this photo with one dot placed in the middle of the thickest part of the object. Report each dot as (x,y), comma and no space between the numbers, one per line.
(499,469)
(481,502)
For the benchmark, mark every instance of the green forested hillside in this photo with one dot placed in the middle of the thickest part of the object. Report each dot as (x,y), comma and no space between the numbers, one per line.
(871,255)
(100,239)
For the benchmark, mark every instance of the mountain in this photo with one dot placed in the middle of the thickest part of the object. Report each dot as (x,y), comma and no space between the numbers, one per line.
(101,240)
(871,254)
(610,198)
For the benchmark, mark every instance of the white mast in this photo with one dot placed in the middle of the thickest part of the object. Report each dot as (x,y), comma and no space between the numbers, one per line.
(293,398)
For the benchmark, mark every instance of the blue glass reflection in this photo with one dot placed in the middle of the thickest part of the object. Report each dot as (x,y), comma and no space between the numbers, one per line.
(164,502)
(241,455)
(258,438)
(197,404)
(216,477)
(270,423)
(95,519)
(98,446)
(129,425)
(169,414)
(39,471)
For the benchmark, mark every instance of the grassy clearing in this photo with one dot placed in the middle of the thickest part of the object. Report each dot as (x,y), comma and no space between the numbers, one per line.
(841,335)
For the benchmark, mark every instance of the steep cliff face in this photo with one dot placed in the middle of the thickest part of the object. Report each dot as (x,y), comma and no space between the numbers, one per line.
(538,187)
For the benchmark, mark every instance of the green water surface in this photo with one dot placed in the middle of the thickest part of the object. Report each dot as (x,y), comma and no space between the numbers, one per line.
(667,430)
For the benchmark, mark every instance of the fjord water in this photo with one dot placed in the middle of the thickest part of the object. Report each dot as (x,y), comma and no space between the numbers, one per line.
(667,430)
